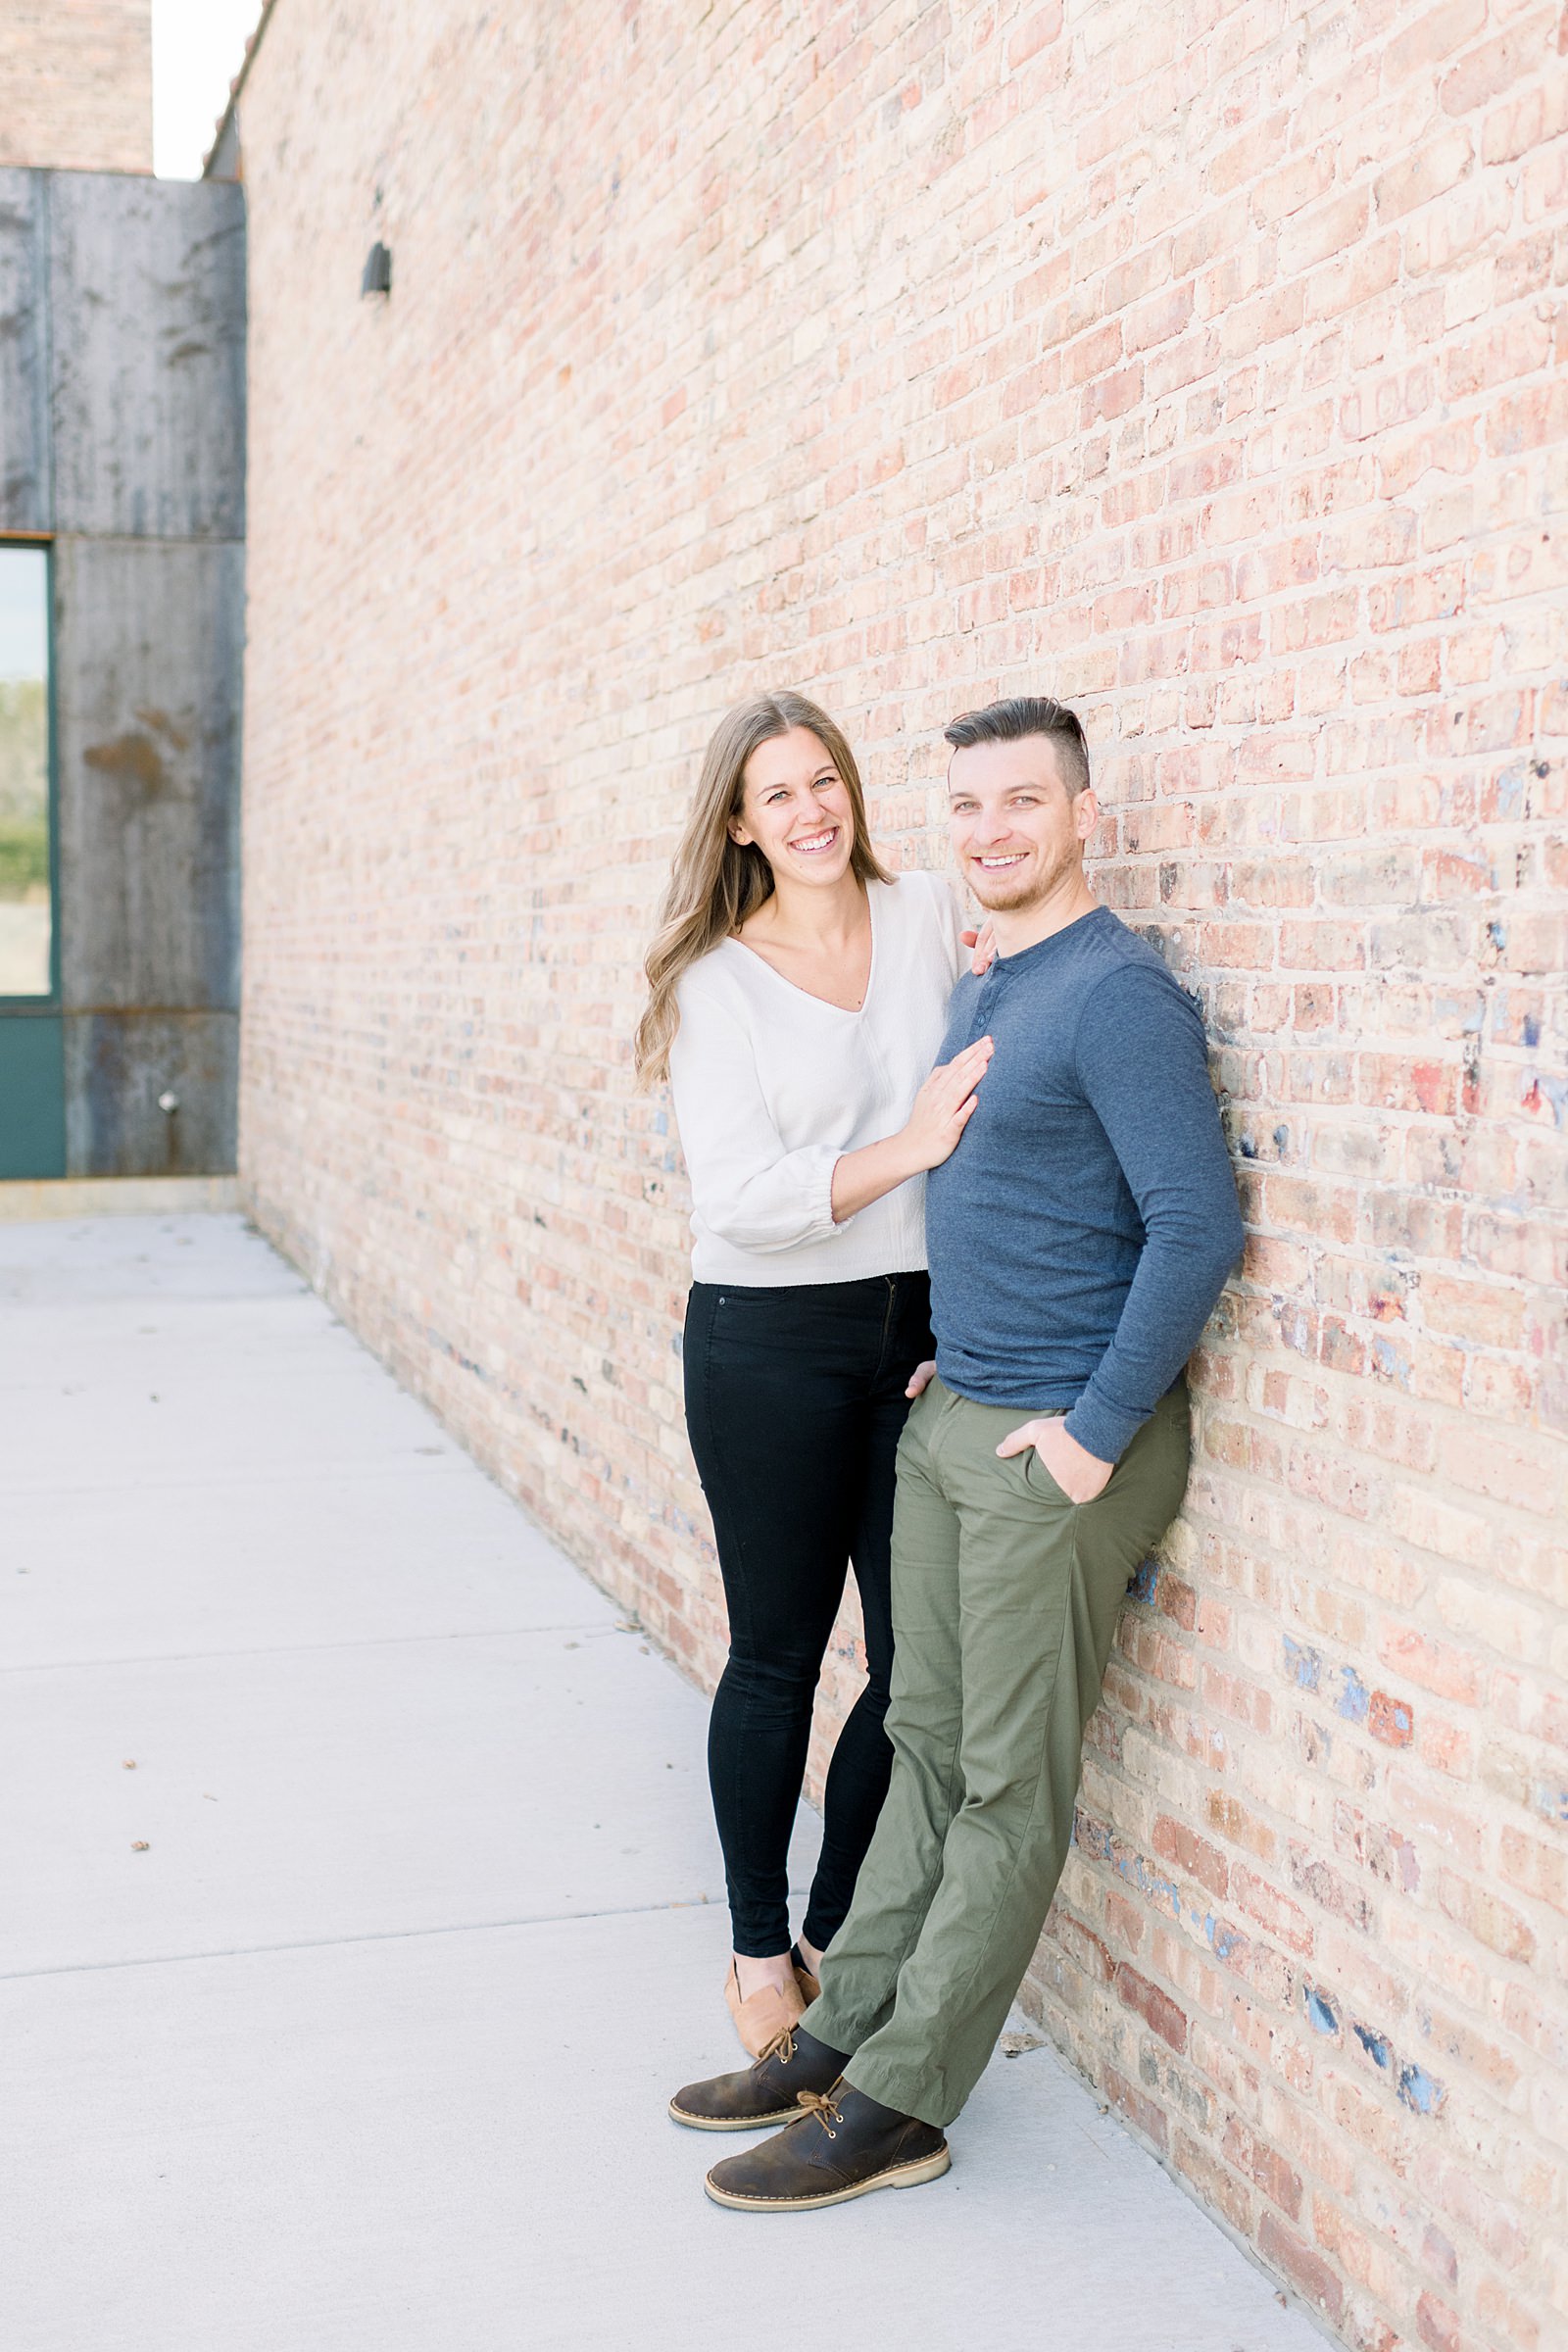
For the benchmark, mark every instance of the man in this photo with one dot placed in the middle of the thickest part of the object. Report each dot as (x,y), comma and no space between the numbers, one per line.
(1078,1239)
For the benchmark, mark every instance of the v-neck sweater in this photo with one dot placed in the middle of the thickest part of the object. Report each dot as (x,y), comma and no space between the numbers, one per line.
(772,1085)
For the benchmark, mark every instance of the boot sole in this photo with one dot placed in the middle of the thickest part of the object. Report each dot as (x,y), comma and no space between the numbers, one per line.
(732,2123)
(901,2175)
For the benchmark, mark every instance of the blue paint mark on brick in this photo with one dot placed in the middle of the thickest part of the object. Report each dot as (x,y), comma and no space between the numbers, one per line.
(1391,1361)
(1093,1837)
(1419,2091)
(1151,1883)
(1374,2044)
(1550,1799)
(1355,1697)
(1531,1031)
(1320,2011)
(1302,1664)
(1296,1329)
(1143,1585)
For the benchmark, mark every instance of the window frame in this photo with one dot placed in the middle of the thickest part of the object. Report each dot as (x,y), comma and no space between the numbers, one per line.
(42,1002)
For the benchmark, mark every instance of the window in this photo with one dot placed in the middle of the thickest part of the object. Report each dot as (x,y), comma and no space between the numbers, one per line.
(25,904)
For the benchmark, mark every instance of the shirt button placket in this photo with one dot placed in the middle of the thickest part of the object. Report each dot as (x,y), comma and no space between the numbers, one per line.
(985,1003)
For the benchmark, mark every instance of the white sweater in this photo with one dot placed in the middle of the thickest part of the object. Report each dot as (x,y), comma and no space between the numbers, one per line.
(772,1085)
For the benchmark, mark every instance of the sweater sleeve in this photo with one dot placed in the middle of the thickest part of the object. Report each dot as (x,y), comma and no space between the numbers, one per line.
(1140,1059)
(746,1186)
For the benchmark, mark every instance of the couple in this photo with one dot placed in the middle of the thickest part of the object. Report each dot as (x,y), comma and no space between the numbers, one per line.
(1081,1219)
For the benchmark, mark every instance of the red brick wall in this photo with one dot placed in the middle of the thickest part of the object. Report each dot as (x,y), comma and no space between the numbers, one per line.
(76,85)
(1199,362)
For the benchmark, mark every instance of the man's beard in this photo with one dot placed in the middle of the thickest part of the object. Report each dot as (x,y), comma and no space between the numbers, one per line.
(1032,888)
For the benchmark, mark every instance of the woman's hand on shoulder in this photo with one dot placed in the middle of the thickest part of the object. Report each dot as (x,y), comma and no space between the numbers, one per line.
(983,946)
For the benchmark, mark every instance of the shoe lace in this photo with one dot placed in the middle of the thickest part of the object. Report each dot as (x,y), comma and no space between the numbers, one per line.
(823,2106)
(781,2047)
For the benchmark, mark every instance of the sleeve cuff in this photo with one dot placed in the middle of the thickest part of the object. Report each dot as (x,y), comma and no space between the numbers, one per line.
(1104,1430)
(819,1197)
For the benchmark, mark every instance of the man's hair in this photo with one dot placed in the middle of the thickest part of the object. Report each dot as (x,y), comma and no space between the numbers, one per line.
(1024,714)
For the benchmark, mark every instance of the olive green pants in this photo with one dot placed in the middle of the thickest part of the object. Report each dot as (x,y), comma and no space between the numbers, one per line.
(1004,1605)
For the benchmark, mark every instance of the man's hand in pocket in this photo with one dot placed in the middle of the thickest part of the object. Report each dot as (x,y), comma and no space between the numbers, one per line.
(1079,1474)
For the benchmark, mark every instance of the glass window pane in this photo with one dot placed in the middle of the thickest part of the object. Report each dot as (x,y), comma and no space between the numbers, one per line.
(25,907)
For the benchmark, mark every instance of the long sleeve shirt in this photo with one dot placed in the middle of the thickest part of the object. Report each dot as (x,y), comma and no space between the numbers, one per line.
(772,1085)
(1083,1230)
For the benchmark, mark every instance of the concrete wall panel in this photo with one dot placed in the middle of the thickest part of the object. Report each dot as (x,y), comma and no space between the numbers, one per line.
(25,503)
(119,1066)
(147,666)
(123,430)
(148,285)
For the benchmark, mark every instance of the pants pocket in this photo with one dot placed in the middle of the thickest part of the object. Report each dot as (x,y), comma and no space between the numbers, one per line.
(1039,1483)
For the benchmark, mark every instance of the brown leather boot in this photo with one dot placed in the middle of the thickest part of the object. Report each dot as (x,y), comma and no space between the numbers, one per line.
(843,2146)
(767,2093)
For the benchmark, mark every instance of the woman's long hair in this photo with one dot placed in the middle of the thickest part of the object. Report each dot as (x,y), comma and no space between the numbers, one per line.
(716,881)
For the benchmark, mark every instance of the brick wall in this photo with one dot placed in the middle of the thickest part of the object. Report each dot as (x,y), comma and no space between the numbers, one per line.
(1200,364)
(76,85)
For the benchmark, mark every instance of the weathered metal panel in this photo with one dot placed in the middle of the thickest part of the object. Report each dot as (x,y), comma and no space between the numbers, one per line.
(33,1108)
(121,1070)
(147,694)
(148,356)
(25,503)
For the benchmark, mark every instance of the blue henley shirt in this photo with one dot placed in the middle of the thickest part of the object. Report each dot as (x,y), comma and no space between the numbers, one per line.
(1085,1226)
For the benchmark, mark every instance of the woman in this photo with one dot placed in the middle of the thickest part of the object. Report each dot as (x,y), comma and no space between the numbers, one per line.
(797,997)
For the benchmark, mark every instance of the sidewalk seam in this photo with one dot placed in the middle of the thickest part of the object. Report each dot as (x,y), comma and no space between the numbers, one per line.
(328,1943)
(286,1649)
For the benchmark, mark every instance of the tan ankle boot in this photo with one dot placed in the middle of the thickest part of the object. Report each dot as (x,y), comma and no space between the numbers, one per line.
(762,2016)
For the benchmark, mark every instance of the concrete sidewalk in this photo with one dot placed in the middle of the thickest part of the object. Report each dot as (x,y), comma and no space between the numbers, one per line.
(368,2050)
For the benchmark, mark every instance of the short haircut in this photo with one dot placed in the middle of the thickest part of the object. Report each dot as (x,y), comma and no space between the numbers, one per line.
(1024,714)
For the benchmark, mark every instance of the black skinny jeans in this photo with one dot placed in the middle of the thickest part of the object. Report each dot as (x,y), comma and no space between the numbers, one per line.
(795,1405)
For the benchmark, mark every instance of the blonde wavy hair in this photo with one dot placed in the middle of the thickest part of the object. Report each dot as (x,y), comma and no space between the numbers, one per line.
(716,881)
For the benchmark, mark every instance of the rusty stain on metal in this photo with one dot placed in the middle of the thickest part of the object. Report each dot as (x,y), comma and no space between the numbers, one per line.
(133,759)
(161,724)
